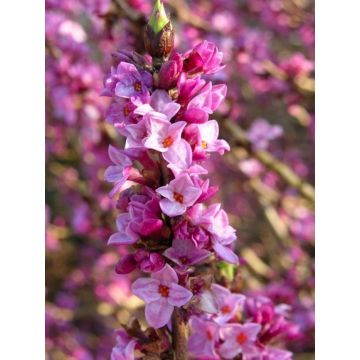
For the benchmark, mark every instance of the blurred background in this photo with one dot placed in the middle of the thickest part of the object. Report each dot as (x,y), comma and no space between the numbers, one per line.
(266,182)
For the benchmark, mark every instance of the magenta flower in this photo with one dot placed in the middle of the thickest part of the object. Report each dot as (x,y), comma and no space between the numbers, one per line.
(124,348)
(205,103)
(145,212)
(184,253)
(204,336)
(188,88)
(161,294)
(204,58)
(119,172)
(160,105)
(228,304)
(179,194)
(162,134)
(149,262)
(261,133)
(237,338)
(170,71)
(126,82)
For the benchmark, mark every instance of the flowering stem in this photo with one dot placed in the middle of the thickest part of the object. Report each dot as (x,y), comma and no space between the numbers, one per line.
(306,189)
(179,335)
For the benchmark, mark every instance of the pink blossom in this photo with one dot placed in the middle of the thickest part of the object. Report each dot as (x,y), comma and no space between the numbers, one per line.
(180,159)
(203,338)
(124,348)
(126,81)
(237,338)
(125,235)
(170,71)
(204,138)
(160,105)
(179,194)
(161,294)
(184,252)
(161,134)
(205,103)
(119,172)
(261,133)
(204,58)
(228,304)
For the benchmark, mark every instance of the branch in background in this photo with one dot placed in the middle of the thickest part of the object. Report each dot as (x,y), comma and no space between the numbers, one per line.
(184,14)
(304,188)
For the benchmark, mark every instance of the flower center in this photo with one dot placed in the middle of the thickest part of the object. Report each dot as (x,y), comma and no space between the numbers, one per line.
(203,144)
(209,335)
(168,141)
(225,309)
(164,291)
(126,110)
(184,260)
(178,197)
(241,338)
(137,86)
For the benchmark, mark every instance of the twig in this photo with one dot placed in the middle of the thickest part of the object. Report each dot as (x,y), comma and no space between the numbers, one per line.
(186,15)
(306,189)
(179,335)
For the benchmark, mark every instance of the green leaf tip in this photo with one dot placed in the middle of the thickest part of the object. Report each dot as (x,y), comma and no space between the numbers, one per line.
(158,18)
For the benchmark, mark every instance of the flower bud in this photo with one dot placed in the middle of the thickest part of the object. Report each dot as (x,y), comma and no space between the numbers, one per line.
(159,33)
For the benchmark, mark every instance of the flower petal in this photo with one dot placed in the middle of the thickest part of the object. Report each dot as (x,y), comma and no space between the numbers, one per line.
(158,313)
(179,296)
(146,289)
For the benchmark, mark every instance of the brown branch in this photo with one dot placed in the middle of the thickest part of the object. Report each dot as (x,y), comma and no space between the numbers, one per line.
(179,335)
(304,188)
(186,15)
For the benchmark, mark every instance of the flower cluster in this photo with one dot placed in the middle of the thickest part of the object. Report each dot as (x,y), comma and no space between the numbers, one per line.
(169,134)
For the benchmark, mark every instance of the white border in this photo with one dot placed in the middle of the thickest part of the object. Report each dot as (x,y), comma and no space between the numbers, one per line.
(22,179)
(337,179)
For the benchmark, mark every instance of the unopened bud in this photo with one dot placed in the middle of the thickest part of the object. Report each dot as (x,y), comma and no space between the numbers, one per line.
(159,34)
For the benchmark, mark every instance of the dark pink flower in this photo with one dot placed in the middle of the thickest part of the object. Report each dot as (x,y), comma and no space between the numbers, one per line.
(170,71)
(204,58)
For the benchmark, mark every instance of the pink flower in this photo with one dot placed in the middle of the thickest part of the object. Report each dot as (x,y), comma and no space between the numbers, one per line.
(204,138)
(179,194)
(204,58)
(204,336)
(161,294)
(124,348)
(160,105)
(149,262)
(180,159)
(125,235)
(170,71)
(119,172)
(205,103)
(184,252)
(215,221)
(126,81)
(261,133)
(121,112)
(161,134)
(237,338)
(228,304)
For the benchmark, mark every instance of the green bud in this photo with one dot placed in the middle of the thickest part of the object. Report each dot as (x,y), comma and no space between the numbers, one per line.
(158,18)
(227,270)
